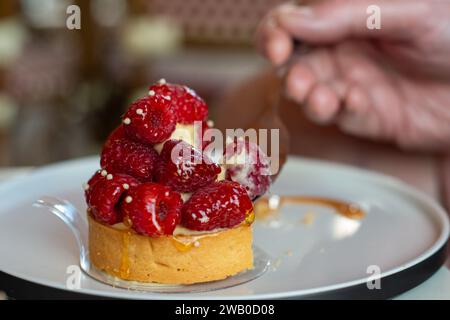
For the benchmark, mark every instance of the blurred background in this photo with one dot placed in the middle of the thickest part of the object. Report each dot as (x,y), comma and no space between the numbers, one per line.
(62,91)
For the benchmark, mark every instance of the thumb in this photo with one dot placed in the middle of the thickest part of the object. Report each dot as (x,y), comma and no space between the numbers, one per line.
(333,20)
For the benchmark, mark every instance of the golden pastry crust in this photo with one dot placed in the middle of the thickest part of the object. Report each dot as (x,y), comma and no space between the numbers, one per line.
(184,259)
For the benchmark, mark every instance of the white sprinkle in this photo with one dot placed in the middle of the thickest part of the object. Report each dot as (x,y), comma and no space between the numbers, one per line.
(128,199)
(151,93)
(85,186)
(210,123)
(274,202)
(109,176)
(139,111)
(126,186)
(204,218)
(162,81)
(168,98)
(126,121)
(196,244)
(104,173)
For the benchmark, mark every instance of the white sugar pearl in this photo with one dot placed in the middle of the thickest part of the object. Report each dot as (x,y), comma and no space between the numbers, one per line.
(139,111)
(162,81)
(274,202)
(109,176)
(126,121)
(104,173)
(128,199)
(151,93)
(126,186)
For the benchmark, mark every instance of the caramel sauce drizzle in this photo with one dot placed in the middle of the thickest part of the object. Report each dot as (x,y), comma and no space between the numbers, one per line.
(125,259)
(182,246)
(268,205)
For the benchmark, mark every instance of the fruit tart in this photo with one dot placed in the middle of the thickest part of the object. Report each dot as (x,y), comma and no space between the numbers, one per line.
(159,208)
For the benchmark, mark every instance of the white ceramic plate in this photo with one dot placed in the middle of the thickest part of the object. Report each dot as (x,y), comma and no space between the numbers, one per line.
(403,235)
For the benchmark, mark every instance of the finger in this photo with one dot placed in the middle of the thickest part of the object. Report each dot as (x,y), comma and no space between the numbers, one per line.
(358,62)
(357,101)
(299,82)
(322,105)
(361,114)
(321,61)
(339,86)
(333,21)
(272,41)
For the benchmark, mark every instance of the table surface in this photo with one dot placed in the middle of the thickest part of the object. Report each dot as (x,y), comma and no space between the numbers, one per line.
(437,287)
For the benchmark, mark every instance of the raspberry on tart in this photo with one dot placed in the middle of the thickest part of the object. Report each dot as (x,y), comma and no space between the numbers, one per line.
(104,196)
(149,164)
(222,204)
(184,168)
(123,155)
(98,175)
(153,209)
(248,165)
(188,106)
(150,120)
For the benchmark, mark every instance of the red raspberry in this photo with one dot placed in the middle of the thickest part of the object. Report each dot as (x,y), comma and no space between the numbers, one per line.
(105,194)
(221,204)
(122,155)
(150,120)
(187,169)
(188,106)
(254,171)
(90,184)
(153,209)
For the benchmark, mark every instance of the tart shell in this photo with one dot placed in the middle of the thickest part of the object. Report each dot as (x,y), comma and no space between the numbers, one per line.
(184,259)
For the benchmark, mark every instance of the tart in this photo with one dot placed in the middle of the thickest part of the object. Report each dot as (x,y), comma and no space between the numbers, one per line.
(180,259)
(160,209)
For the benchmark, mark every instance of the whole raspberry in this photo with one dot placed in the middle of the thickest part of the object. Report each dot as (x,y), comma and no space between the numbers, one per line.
(123,155)
(153,209)
(188,106)
(184,168)
(222,204)
(150,120)
(248,165)
(105,194)
(98,175)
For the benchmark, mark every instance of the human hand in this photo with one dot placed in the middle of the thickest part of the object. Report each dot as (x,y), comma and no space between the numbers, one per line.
(391,83)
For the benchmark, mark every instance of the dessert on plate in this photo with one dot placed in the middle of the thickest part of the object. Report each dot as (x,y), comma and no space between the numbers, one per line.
(160,209)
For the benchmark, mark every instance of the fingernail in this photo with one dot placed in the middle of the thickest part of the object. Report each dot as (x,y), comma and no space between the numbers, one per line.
(298,10)
(277,51)
(293,16)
